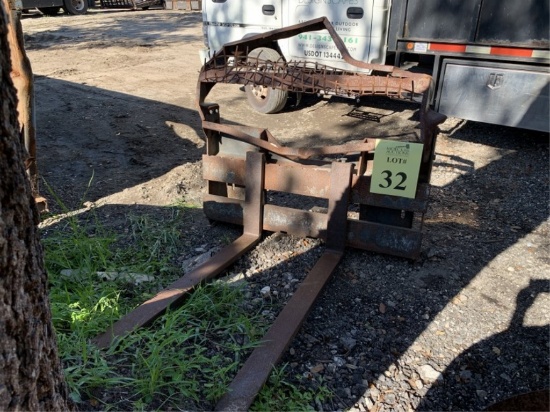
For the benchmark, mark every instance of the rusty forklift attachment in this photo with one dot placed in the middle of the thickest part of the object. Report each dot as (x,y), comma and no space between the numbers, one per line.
(356,217)
(242,165)
(385,224)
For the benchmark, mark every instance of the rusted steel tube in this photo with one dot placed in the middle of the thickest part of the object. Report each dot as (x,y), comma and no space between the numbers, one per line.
(237,133)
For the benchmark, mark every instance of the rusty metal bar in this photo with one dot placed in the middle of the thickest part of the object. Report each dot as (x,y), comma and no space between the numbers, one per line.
(239,134)
(374,237)
(254,194)
(380,238)
(256,370)
(276,218)
(150,310)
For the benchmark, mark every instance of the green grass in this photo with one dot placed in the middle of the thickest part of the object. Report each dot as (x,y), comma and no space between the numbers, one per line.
(280,394)
(187,358)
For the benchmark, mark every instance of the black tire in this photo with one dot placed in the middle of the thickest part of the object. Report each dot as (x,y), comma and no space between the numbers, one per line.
(75,7)
(265,99)
(49,11)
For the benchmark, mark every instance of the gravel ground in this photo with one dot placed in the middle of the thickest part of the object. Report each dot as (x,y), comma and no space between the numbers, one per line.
(461,328)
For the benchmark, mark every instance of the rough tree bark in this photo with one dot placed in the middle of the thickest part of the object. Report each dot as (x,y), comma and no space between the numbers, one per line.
(31,377)
(22,77)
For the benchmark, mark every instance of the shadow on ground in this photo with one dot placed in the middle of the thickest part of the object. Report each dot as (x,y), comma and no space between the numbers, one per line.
(93,143)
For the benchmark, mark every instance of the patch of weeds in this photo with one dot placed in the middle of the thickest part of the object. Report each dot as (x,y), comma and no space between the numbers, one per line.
(82,305)
(90,288)
(156,240)
(279,394)
(188,356)
(86,367)
(186,359)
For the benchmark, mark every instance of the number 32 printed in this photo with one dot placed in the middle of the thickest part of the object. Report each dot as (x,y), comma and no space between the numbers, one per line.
(388,179)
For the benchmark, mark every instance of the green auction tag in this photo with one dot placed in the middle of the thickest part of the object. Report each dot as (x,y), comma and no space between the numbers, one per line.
(396,168)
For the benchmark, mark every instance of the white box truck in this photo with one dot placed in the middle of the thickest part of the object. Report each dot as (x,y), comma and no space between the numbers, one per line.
(489,58)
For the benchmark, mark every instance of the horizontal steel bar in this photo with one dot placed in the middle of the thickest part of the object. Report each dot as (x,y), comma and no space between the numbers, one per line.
(291,178)
(309,181)
(375,237)
(240,134)
(276,218)
(380,238)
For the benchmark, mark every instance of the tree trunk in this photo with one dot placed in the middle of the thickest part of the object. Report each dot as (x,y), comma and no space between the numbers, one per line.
(22,77)
(31,377)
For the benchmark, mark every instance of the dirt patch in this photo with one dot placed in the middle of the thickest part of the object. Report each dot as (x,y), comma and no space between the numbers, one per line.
(460,329)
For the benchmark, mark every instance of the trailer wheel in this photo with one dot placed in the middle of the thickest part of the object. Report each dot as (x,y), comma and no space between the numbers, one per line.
(75,7)
(49,11)
(265,99)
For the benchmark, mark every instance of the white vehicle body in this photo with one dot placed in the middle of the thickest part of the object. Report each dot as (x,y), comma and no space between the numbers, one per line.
(489,59)
(362,25)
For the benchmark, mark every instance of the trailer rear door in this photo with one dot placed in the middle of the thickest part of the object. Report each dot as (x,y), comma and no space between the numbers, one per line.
(442,20)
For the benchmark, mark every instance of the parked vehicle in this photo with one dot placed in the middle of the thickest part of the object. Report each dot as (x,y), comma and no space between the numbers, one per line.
(132,4)
(52,7)
(489,58)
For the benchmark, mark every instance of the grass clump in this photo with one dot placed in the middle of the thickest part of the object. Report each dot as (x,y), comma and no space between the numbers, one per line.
(283,394)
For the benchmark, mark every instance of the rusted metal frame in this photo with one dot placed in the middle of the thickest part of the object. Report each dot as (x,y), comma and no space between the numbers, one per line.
(341,82)
(174,295)
(298,179)
(388,80)
(393,82)
(256,370)
(319,78)
(330,81)
(309,181)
